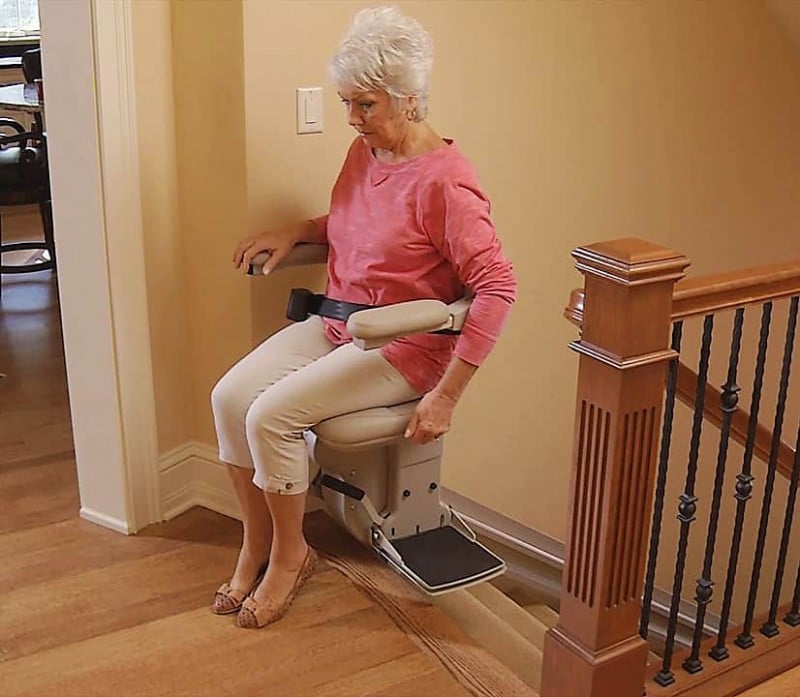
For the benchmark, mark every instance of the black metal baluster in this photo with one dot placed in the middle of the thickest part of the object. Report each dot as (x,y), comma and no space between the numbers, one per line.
(793,616)
(744,485)
(787,529)
(745,639)
(770,627)
(661,480)
(729,400)
(688,504)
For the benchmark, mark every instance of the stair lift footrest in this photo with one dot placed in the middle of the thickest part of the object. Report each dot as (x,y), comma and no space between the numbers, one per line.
(445,559)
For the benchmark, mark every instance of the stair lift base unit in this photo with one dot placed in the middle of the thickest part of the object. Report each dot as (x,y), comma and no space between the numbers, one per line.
(387,496)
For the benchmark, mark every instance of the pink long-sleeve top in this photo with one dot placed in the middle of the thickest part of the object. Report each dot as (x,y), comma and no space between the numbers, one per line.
(412,230)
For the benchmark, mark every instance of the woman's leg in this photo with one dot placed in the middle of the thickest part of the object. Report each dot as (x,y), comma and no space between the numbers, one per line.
(343,381)
(289,547)
(256,528)
(284,352)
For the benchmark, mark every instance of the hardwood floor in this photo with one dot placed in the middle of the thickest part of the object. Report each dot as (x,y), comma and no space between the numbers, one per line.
(784,685)
(37,469)
(87,612)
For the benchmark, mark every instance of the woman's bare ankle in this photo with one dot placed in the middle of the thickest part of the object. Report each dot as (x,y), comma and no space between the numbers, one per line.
(250,563)
(290,557)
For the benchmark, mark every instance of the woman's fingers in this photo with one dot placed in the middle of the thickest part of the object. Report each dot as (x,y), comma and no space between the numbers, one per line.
(248,255)
(423,429)
(254,248)
(411,429)
(275,257)
(245,251)
(248,249)
(239,251)
(430,420)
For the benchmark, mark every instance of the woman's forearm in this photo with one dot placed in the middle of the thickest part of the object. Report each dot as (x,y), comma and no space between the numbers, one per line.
(433,414)
(313,230)
(455,379)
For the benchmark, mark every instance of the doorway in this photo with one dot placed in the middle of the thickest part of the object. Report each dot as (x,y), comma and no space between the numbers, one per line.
(87,65)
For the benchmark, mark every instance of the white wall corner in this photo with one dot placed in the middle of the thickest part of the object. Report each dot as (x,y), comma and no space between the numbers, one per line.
(191,475)
(106,521)
(122,209)
(213,488)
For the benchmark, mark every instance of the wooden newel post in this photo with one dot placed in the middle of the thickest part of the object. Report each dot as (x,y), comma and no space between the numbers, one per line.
(595,650)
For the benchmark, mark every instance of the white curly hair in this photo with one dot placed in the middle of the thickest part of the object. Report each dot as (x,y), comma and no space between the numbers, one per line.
(385,50)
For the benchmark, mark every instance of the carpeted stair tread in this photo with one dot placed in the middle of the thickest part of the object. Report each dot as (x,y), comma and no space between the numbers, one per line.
(522,594)
(546,615)
(478,622)
(507,610)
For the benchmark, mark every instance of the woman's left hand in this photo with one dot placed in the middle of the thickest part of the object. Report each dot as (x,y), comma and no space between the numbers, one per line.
(431,418)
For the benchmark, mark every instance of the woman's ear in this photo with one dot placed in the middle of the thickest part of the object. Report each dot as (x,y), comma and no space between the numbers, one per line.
(411,107)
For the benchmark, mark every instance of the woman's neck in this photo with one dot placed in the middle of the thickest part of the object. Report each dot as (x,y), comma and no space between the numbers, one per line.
(418,139)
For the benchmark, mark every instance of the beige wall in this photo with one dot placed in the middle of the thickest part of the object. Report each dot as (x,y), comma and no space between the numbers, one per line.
(165,254)
(671,121)
(212,195)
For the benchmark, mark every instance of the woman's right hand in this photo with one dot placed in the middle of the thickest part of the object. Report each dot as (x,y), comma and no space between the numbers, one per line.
(278,244)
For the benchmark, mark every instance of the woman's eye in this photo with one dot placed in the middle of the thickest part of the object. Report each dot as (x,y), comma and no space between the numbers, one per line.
(366,106)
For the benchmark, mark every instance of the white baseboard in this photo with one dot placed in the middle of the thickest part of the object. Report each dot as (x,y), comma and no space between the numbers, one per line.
(192,475)
(104,520)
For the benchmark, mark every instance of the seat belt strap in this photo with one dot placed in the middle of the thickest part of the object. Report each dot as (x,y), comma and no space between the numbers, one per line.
(302,303)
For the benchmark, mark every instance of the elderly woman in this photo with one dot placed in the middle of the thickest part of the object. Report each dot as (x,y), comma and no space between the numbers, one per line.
(407,220)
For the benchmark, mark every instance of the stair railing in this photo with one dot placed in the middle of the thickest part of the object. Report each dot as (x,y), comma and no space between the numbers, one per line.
(632,322)
(596,650)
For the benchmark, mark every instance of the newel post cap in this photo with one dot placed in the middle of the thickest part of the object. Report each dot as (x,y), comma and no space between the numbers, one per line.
(630,261)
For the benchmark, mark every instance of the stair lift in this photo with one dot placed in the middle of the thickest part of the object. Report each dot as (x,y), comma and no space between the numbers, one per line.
(383,489)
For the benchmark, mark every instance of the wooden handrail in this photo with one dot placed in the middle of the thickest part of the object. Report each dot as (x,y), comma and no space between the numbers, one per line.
(701,296)
(695,297)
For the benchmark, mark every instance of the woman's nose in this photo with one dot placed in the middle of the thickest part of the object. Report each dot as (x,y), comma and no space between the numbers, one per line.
(353,116)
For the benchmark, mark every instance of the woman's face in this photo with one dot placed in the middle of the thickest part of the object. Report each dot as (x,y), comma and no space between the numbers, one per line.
(374,116)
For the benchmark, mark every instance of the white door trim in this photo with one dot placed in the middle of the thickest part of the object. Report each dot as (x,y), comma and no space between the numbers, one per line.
(88,67)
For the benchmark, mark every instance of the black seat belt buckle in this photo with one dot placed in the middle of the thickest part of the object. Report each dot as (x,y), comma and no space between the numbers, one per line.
(301,304)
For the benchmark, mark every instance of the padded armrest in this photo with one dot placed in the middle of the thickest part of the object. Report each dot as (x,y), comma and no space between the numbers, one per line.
(377,326)
(302,254)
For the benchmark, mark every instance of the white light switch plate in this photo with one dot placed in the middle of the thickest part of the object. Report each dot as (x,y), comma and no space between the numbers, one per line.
(309,110)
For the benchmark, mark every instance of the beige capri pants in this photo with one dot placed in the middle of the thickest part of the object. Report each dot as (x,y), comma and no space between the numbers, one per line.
(291,382)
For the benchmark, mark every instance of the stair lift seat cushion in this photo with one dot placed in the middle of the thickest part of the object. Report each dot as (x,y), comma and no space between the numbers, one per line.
(367,428)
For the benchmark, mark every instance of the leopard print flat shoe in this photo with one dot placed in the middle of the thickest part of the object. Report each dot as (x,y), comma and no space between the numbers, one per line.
(254,615)
(228,600)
